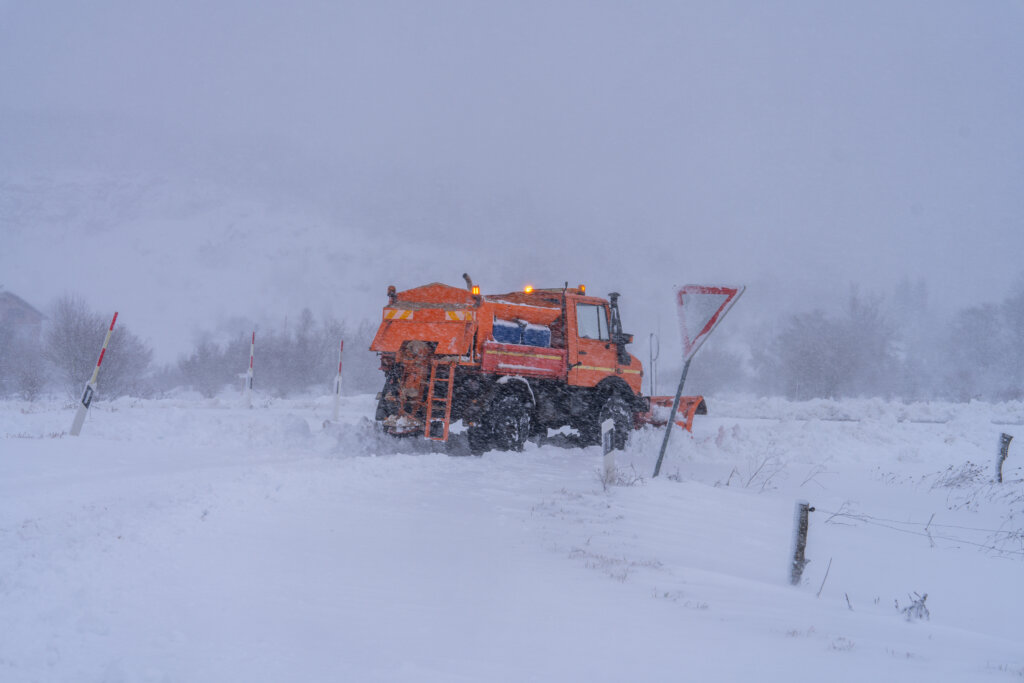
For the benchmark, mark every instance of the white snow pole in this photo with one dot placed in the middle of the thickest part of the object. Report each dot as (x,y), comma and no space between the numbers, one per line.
(248,375)
(337,383)
(90,387)
(607,434)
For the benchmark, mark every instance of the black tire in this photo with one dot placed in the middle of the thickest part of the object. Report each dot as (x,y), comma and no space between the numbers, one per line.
(479,439)
(509,422)
(589,429)
(616,407)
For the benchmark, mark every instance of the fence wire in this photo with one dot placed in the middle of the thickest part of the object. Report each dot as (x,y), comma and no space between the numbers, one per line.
(925,530)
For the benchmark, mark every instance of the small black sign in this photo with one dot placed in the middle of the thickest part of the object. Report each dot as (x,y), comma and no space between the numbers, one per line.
(87,396)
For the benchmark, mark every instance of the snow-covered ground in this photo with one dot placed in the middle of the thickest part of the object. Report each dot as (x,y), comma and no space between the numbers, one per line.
(192,540)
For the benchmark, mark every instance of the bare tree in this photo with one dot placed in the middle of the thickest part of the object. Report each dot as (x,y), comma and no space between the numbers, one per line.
(1013,316)
(818,356)
(975,353)
(802,360)
(206,369)
(72,341)
(867,346)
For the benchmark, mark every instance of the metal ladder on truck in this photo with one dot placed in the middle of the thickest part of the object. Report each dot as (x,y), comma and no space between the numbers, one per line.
(442,376)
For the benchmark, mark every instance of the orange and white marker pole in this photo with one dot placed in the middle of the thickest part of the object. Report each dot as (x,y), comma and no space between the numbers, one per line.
(337,383)
(90,387)
(249,373)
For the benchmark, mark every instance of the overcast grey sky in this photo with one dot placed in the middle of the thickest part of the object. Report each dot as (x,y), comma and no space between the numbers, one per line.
(636,144)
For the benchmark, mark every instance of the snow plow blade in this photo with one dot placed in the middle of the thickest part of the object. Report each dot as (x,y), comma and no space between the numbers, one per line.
(661,406)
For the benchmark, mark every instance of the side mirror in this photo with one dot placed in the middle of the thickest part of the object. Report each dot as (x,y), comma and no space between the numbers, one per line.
(621,339)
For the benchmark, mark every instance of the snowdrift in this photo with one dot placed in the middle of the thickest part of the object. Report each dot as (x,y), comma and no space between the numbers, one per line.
(192,540)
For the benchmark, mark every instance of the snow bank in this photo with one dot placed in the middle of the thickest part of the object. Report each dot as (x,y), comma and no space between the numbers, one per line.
(194,540)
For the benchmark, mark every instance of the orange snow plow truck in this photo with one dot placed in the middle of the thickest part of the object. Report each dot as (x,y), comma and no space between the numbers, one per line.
(511,366)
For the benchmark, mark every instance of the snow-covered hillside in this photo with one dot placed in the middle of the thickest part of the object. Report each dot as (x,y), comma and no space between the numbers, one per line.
(190,540)
(177,257)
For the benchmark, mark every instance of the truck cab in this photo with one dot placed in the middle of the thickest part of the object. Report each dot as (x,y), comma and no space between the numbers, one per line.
(594,352)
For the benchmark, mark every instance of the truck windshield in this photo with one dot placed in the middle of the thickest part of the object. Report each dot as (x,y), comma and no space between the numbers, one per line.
(592,321)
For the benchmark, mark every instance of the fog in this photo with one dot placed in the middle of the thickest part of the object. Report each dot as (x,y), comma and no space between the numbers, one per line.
(797,148)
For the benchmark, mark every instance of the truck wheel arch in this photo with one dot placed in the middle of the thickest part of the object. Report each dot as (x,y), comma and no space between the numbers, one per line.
(613,385)
(516,384)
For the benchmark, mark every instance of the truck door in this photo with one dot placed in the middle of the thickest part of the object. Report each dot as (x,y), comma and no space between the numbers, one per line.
(592,356)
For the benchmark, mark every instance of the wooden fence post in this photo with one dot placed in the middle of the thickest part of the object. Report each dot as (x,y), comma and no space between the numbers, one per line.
(1004,451)
(799,541)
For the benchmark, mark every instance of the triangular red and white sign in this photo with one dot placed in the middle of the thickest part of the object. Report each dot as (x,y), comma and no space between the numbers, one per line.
(700,309)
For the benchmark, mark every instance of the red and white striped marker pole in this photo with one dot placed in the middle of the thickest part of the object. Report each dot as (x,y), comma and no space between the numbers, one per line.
(337,383)
(248,375)
(90,387)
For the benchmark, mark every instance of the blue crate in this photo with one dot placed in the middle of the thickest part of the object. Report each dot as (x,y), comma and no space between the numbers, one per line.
(507,331)
(537,335)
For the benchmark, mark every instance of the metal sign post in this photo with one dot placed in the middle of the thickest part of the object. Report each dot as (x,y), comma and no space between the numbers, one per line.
(249,372)
(668,427)
(700,310)
(337,383)
(654,346)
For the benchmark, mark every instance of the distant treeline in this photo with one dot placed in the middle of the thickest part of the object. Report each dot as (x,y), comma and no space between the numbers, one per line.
(869,347)
(291,358)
